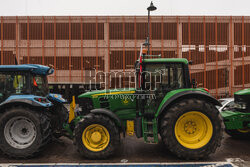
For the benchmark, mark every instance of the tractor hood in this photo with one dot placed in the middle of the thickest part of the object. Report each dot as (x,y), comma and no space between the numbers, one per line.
(97,93)
(242,96)
(242,92)
(56,97)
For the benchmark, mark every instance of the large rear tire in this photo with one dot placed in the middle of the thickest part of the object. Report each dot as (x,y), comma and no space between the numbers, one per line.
(96,137)
(191,129)
(23,132)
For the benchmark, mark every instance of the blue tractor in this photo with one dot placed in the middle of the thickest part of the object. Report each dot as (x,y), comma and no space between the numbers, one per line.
(29,114)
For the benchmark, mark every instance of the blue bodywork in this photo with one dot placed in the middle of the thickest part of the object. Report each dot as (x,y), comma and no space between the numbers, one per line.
(57,97)
(33,68)
(28,99)
(31,99)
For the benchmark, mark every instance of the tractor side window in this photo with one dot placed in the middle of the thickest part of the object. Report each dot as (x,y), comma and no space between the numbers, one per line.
(176,76)
(12,83)
(19,83)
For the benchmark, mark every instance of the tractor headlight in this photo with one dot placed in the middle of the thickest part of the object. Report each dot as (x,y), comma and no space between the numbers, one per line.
(50,71)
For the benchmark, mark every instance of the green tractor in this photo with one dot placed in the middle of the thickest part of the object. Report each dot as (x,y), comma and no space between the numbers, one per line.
(164,104)
(237,117)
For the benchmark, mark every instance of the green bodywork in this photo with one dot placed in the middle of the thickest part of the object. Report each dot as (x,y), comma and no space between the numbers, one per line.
(174,92)
(166,60)
(126,106)
(243,92)
(238,118)
(122,102)
(235,120)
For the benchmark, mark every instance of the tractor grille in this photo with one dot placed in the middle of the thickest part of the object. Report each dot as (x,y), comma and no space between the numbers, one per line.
(86,104)
(104,102)
(242,98)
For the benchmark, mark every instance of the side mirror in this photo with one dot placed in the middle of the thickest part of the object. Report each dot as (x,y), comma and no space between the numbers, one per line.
(194,83)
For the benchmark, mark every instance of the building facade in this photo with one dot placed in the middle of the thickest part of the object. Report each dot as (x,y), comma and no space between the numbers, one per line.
(80,46)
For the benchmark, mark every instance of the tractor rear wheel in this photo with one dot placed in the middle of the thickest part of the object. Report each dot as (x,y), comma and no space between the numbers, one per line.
(191,129)
(239,133)
(23,132)
(96,136)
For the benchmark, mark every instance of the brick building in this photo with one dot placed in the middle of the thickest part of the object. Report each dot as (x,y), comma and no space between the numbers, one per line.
(219,47)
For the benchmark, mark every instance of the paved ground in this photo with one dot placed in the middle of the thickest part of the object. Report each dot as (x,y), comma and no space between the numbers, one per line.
(133,150)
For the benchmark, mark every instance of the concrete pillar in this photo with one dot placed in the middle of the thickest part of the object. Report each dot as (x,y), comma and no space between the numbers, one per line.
(106,40)
(179,39)
(107,50)
(231,57)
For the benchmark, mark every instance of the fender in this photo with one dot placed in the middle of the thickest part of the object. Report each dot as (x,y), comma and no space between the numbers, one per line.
(24,99)
(173,96)
(109,113)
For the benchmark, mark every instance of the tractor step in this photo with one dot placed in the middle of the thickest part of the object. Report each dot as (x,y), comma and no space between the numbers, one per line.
(150,132)
(149,123)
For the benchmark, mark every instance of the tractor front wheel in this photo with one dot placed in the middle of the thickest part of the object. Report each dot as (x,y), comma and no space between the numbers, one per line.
(23,132)
(191,129)
(96,136)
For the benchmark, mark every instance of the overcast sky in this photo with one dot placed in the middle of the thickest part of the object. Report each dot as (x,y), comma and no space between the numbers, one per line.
(123,7)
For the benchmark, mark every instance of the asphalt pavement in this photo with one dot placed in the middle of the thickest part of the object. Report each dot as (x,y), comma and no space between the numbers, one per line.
(133,150)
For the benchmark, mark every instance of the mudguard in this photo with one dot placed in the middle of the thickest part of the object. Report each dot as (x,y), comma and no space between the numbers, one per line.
(25,99)
(179,94)
(109,113)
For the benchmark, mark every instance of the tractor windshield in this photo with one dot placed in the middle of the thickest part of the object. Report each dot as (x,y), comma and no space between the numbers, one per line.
(40,85)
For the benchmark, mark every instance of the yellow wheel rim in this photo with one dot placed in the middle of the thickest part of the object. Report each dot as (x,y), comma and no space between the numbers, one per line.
(193,130)
(244,130)
(95,137)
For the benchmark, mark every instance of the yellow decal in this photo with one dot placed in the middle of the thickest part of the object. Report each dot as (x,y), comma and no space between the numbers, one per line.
(112,93)
(72,109)
(130,127)
(125,101)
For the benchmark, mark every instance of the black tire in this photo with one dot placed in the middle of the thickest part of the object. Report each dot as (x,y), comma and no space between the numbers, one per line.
(235,133)
(168,122)
(58,118)
(105,122)
(41,127)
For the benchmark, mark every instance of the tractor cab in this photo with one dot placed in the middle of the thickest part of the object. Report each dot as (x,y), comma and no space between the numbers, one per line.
(158,76)
(25,81)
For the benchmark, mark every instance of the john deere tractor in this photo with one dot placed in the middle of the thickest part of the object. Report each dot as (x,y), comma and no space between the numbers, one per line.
(164,105)
(237,117)
(29,115)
